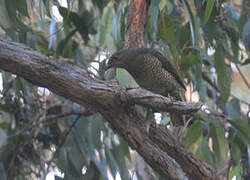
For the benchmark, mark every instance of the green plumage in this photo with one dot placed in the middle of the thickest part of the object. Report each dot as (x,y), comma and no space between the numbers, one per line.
(152,71)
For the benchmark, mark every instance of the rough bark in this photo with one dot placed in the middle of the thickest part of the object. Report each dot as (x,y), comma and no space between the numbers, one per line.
(159,148)
(136,22)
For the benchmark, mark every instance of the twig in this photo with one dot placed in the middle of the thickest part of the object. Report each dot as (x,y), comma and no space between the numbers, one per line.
(52,118)
(63,141)
(242,76)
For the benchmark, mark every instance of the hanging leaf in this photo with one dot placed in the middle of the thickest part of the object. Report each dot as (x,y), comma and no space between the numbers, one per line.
(95,130)
(166,33)
(220,147)
(84,23)
(166,28)
(46,4)
(224,74)
(63,43)
(192,23)
(182,37)
(243,129)
(189,61)
(235,153)
(152,23)
(233,108)
(121,161)
(193,134)
(5,20)
(13,9)
(104,26)
(208,11)
(200,85)
(116,27)
(204,151)
(112,162)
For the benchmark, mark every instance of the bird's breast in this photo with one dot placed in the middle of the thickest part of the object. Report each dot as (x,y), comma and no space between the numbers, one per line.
(151,76)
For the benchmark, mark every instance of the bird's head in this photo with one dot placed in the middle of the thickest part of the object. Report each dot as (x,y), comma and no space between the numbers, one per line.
(120,59)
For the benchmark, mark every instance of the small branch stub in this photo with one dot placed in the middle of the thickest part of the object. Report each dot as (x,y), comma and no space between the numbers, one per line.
(155,101)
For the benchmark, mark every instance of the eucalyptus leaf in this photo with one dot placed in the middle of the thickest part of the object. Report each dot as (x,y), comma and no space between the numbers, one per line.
(166,28)
(235,153)
(243,128)
(189,61)
(224,74)
(47,6)
(220,147)
(208,11)
(121,161)
(96,127)
(233,108)
(5,20)
(204,151)
(192,23)
(193,134)
(112,162)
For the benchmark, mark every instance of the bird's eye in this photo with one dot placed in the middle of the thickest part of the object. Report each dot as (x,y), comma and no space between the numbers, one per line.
(115,57)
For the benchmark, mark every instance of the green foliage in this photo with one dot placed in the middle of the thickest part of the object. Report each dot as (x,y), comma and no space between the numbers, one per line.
(40,129)
(194,133)
(220,147)
(224,73)
(208,11)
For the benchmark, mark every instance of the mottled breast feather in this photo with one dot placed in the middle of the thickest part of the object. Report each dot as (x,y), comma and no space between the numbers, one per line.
(165,64)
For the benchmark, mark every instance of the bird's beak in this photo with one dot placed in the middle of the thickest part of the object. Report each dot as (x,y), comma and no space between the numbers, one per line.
(108,65)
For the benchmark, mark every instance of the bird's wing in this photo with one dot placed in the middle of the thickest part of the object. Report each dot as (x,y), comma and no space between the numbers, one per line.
(168,66)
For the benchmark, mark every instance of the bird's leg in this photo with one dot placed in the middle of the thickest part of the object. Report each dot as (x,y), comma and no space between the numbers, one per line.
(134,110)
(179,132)
(182,129)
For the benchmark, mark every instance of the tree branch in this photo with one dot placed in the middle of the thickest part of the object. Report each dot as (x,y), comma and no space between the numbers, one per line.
(163,152)
(160,103)
(136,22)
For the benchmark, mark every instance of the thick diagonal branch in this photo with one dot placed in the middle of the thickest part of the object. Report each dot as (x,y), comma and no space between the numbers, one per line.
(78,86)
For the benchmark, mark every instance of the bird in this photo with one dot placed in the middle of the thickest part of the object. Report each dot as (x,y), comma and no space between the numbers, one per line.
(152,71)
